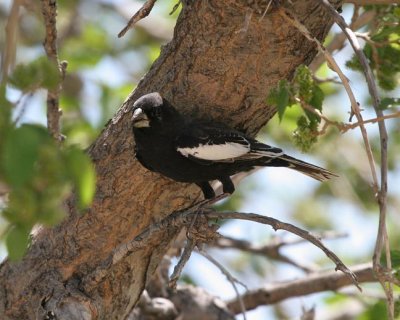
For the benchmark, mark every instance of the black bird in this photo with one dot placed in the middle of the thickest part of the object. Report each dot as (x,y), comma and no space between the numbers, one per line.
(199,151)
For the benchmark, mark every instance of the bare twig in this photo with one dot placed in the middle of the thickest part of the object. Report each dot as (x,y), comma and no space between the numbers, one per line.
(381,192)
(247,20)
(49,11)
(176,6)
(143,12)
(313,283)
(230,278)
(150,237)
(22,103)
(341,126)
(187,251)
(272,249)
(338,40)
(179,219)
(354,104)
(325,80)
(276,225)
(8,58)
(266,10)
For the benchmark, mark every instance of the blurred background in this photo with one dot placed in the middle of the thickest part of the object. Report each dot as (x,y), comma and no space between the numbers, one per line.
(103,69)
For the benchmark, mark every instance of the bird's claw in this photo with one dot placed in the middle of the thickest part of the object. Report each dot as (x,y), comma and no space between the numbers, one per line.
(204,203)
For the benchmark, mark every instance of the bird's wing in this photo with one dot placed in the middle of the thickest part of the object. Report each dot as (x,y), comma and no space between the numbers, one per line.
(217,143)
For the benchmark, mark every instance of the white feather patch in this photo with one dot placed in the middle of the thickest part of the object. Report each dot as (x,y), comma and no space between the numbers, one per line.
(264,153)
(216,152)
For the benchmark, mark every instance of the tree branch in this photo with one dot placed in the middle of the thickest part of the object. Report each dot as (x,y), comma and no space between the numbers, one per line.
(272,249)
(181,219)
(313,283)
(276,225)
(11,33)
(339,39)
(143,12)
(49,11)
(354,104)
(381,192)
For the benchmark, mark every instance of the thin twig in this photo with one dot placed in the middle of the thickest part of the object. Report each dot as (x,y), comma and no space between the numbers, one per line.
(266,10)
(325,80)
(176,6)
(276,225)
(11,33)
(247,20)
(272,249)
(150,237)
(338,40)
(354,104)
(230,278)
(143,12)
(179,219)
(49,11)
(341,126)
(22,103)
(382,236)
(312,283)
(187,251)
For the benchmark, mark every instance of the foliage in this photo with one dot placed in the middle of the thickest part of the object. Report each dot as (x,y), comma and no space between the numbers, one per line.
(38,173)
(382,47)
(301,92)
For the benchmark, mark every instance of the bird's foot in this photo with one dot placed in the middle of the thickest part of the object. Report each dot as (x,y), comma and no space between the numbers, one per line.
(196,208)
(205,203)
(209,202)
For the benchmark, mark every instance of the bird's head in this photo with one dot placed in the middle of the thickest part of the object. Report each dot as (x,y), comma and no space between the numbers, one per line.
(152,109)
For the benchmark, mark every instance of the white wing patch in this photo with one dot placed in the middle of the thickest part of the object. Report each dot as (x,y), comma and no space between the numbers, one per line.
(215,152)
(264,153)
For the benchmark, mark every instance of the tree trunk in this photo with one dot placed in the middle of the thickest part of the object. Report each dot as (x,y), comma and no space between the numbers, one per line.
(221,63)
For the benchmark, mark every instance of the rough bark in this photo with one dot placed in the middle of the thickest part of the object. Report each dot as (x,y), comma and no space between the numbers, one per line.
(214,67)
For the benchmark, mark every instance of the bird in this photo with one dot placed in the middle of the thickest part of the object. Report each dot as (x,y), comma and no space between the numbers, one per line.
(194,150)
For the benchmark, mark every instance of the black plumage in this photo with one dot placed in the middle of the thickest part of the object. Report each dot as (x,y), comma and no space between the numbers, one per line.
(199,151)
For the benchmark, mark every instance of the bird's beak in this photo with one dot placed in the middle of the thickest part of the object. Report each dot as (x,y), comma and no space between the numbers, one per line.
(139,119)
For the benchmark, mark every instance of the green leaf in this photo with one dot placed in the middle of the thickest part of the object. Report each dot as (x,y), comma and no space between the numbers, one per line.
(279,97)
(5,113)
(20,153)
(395,255)
(304,83)
(389,102)
(17,241)
(316,101)
(395,259)
(87,49)
(40,73)
(317,98)
(376,311)
(82,172)
(22,206)
(306,134)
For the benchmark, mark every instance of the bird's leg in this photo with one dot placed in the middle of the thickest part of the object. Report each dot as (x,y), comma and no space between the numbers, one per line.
(209,193)
(196,208)
(205,202)
(227,185)
(207,190)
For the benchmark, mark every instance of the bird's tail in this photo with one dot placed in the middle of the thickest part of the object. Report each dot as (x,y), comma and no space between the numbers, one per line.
(308,169)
